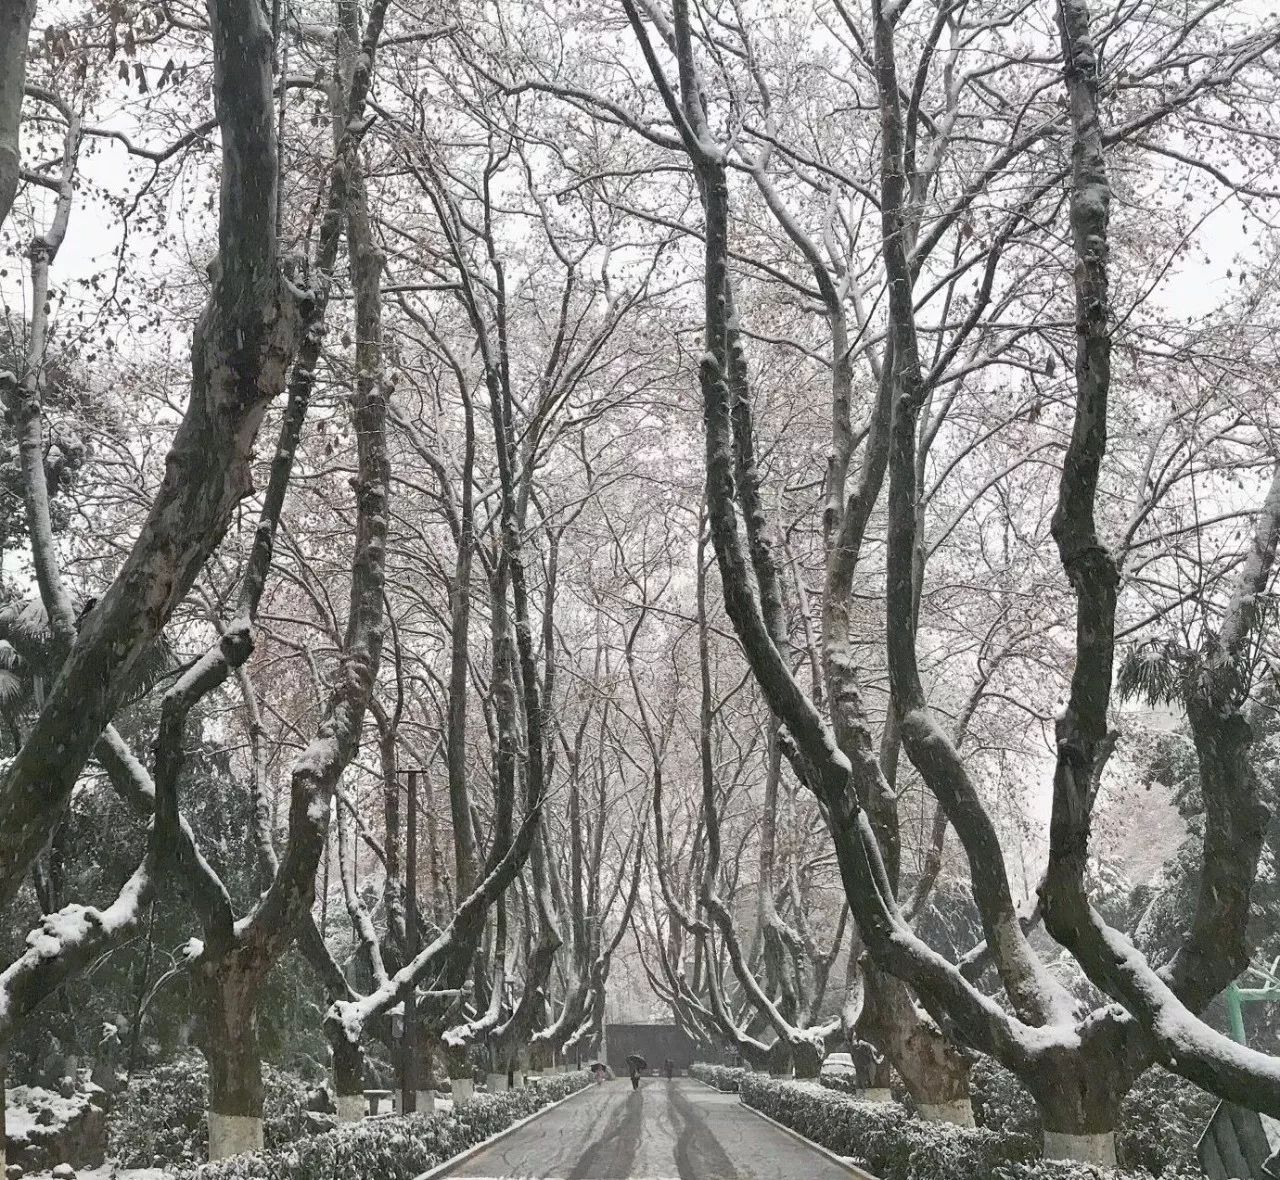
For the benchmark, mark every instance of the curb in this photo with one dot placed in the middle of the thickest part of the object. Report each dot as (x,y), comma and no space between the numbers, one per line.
(831,1155)
(462,1157)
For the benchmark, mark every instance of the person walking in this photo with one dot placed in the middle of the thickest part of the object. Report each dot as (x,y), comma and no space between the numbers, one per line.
(668,1069)
(635,1066)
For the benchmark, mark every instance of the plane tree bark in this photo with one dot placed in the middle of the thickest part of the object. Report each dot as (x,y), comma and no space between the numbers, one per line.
(241,351)
(819,760)
(1215,949)
(15,27)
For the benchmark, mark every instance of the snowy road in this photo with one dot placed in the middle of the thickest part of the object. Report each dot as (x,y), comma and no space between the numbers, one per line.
(667,1130)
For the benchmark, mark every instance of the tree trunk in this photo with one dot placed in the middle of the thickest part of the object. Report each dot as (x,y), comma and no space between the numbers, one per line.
(541,1057)
(807,1059)
(348,1076)
(1079,1094)
(461,1078)
(3,1131)
(779,1059)
(936,1075)
(15,25)
(229,1040)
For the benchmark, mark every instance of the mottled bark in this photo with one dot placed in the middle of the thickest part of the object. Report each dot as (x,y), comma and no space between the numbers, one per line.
(243,343)
(15,26)
(1035,995)
(1215,950)
(228,1035)
(825,769)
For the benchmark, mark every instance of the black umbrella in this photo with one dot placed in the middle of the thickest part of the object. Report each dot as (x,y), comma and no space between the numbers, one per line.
(599,1065)
(636,1060)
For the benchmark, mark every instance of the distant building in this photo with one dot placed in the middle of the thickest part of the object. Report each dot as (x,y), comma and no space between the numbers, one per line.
(654,1042)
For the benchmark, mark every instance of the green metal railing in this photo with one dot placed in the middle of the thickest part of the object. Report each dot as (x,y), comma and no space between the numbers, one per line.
(1237,997)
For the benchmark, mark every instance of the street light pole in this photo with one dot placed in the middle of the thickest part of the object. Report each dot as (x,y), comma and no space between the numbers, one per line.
(409,1041)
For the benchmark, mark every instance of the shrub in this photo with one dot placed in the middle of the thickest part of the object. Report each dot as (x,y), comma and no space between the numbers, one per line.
(722,1077)
(1161,1119)
(394,1148)
(159,1121)
(1059,1170)
(882,1136)
(841,1083)
(1000,1101)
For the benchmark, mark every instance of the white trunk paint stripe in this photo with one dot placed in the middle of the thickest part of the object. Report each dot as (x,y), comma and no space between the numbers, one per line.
(959,1112)
(351,1107)
(233,1134)
(875,1094)
(463,1089)
(1099,1148)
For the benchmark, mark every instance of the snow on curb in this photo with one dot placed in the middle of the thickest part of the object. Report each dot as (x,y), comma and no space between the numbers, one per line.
(462,1157)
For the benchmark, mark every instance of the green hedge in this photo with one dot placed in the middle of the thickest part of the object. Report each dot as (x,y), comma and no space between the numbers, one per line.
(881,1136)
(886,1139)
(1066,1170)
(396,1147)
(841,1083)
(721,1077)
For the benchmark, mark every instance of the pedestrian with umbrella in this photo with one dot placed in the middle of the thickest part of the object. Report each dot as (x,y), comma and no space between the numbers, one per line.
(635,1065)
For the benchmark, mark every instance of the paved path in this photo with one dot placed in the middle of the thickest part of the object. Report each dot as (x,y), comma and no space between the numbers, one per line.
(667,1130)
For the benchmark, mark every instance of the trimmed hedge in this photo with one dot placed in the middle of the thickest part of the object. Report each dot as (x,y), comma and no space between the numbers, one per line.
(1067,1170)
(886,1139)
(721,1077)
(397,1147)
(841,1083)
(881,1136)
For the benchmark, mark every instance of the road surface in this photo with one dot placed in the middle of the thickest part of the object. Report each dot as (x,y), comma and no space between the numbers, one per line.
(667,1130)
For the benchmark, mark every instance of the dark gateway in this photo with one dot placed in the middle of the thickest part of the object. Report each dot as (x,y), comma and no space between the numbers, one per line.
(654,1042)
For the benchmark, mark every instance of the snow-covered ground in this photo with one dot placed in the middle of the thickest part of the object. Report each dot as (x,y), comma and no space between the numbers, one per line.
(24,1104)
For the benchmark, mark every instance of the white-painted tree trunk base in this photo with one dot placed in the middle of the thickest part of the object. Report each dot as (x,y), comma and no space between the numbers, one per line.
(464,1089)
(233,1134)
(1099,1148)
(351,1107)
(959,1112)
(495,1082)
(875,1094)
